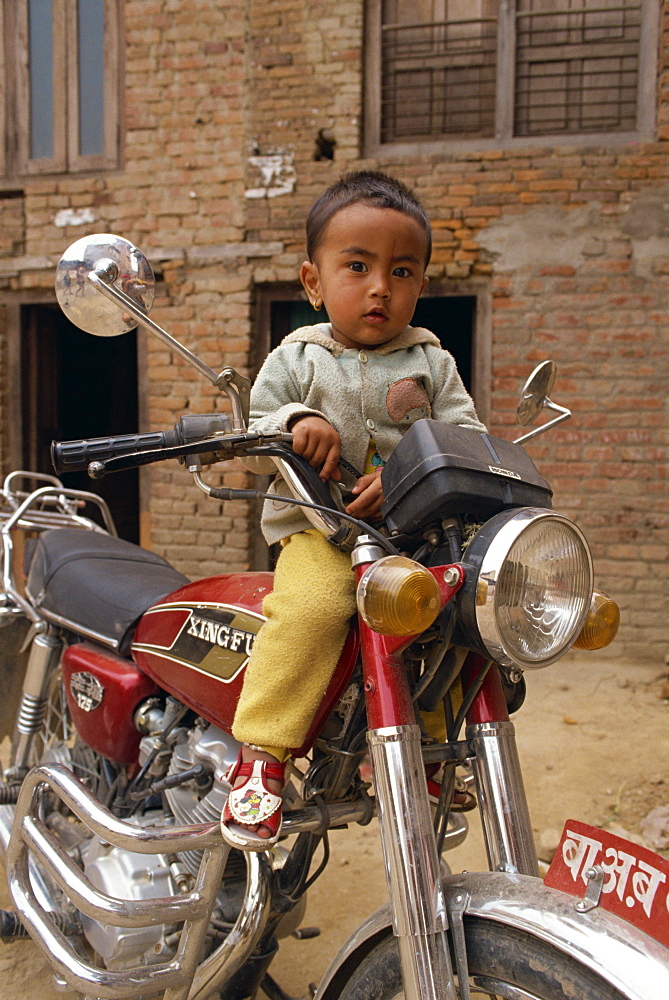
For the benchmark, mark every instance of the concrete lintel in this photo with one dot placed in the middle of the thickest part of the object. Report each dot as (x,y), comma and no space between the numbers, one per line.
(16,265)
(198,256)
(232,251)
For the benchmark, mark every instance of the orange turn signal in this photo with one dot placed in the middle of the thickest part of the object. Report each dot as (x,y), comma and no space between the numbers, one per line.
(397,596)
(601,625)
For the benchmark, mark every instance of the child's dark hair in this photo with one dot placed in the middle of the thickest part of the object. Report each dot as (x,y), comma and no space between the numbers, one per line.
(370,186)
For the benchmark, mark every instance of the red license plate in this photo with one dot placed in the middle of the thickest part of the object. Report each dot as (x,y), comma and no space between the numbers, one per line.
(635,883)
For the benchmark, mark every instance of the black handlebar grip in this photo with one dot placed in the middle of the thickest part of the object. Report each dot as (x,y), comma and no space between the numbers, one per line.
(74,456)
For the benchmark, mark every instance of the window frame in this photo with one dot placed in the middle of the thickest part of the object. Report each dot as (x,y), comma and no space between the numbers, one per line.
(505,93)
(3,93)
(15,159)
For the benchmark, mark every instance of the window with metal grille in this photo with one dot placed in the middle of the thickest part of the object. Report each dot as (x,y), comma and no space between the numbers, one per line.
(577,66)
(504,69)
(438,75)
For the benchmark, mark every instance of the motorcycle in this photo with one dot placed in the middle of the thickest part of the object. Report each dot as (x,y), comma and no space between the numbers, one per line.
(121,679)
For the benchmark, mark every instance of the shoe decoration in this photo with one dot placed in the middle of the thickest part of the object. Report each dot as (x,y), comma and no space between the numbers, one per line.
(252,804)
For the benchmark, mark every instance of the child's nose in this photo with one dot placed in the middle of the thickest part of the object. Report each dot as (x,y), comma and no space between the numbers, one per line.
(380,284)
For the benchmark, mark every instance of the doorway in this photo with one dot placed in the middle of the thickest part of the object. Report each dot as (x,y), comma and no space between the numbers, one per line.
(451,318)
(75,386)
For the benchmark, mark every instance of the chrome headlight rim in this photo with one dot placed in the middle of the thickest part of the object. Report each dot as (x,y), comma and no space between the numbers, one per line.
(484,560)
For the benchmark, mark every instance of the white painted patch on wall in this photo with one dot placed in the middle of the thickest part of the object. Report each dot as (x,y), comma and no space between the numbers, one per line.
(276,175)
(74,217)
(550,235)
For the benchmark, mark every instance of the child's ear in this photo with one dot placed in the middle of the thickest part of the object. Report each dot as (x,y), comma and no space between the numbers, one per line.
(311,282)
(424,284)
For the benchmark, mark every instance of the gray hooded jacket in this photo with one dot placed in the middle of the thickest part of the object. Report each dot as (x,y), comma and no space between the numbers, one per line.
(364,394)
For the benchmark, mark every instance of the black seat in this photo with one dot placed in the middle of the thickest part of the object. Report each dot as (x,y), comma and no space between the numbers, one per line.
(96,584)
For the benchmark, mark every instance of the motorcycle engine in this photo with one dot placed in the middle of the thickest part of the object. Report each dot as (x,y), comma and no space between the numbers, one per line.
(139,876)
(217,751)
(127,875)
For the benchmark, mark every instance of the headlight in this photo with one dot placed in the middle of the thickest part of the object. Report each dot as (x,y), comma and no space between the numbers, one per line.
(397,596)
(528,587)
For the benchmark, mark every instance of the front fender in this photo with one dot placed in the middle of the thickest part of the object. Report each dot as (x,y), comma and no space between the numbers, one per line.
(626,958)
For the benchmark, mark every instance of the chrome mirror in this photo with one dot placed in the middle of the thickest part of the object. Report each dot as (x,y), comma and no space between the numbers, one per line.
(534,398)
(536,391)
(105,286)
(78,297)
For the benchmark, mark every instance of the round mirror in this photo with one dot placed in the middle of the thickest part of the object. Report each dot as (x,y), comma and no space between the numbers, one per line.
(536,391)
(82,303)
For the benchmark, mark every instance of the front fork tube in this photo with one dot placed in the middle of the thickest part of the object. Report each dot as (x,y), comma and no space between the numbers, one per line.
(405,822)
(42,661)
(407,836)
(505,816)
(412,865)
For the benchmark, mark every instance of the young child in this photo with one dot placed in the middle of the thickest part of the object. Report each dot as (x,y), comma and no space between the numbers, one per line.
(351,388)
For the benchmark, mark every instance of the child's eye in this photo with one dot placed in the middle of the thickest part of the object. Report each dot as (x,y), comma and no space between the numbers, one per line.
(357,266)
(402,272)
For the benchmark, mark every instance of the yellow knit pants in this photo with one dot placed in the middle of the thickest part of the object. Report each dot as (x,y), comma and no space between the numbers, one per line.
(297,648)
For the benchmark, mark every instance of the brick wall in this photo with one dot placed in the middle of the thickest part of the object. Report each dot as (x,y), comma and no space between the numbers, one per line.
(224,103)
(179,197)
(12,226)
(573,242)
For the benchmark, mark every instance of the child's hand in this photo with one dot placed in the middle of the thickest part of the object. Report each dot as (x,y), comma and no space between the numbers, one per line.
(370,497)
(319,443)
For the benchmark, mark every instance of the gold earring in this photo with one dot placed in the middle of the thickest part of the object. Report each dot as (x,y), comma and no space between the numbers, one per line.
(317,304)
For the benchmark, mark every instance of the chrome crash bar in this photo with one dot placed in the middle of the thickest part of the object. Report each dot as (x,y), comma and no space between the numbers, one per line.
(32,840)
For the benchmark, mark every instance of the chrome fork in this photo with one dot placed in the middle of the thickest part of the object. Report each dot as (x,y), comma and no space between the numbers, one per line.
(420,914)
(505,816)
(420,919)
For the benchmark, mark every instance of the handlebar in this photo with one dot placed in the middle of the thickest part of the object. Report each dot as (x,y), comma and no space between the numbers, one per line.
(206,439)
(76,456)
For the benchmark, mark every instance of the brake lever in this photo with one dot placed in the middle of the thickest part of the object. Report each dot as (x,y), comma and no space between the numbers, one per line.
(300,465)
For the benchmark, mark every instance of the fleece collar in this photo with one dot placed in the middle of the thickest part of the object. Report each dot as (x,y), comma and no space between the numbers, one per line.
(321,334)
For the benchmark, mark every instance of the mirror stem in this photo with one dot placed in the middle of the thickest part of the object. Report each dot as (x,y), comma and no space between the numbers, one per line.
(549,405)
(235,386)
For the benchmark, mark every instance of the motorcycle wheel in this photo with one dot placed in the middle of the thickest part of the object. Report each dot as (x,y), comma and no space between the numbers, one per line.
(55,740)
(504,964)
(58,742)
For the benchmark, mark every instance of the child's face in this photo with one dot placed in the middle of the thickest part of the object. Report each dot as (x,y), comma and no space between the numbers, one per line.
(369,271)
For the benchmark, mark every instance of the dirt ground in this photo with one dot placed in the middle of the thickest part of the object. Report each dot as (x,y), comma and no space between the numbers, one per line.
(593,737)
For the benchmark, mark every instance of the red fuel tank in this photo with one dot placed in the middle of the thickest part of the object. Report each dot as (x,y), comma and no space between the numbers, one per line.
(103,690)
(196,644)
